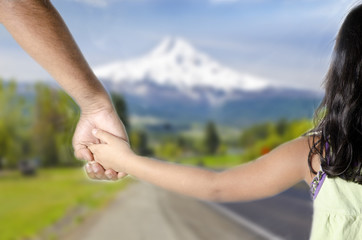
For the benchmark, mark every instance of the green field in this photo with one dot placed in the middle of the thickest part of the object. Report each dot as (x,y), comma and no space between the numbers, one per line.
(28,205)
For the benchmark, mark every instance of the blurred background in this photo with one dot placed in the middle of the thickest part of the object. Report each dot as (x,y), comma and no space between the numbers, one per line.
(210,83)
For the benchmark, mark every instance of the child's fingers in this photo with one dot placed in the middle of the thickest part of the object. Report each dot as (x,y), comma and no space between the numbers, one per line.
(93,148)
(103,135)
(121,175)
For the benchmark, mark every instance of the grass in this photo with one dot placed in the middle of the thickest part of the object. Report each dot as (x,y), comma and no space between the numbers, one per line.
(30,204)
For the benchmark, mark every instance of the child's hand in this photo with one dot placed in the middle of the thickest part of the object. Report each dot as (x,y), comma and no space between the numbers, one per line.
(112,153)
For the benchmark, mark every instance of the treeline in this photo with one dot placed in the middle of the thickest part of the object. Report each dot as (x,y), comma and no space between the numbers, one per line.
(37,123)
(262,138)
(211,150)
(176,147)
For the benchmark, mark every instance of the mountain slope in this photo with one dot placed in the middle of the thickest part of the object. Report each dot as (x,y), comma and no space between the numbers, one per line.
(174,62)
(176,83)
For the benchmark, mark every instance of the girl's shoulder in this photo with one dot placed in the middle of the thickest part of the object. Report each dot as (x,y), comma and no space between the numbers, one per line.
(312,138)
(297,152)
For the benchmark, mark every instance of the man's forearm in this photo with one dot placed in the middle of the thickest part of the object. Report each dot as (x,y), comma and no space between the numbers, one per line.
(39,29)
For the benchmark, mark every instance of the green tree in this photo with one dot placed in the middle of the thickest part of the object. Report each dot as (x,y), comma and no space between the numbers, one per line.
(3,127)
(121,109)
(169,151)
(55,118)
(14,125)
(256,133)
(139,143)
(281,126)
(212,139)
(278,133)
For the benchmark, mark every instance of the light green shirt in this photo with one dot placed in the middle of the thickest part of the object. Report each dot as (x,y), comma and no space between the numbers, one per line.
(338,211)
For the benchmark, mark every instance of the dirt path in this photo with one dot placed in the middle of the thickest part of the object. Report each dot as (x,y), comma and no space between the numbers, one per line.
(145,212)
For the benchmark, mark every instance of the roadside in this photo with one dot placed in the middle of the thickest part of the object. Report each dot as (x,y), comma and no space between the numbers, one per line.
(143,211)
(50,203)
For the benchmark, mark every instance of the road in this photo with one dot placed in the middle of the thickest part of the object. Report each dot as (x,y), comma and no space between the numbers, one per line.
(288,215)
(146,212)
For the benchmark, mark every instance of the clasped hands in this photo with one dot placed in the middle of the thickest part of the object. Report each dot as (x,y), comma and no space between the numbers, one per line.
(107,120)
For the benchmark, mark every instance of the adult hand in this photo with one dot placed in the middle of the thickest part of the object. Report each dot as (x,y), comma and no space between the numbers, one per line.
(105,119)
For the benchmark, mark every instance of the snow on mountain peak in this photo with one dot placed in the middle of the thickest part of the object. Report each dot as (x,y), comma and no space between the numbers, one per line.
(172,45)
(176,63)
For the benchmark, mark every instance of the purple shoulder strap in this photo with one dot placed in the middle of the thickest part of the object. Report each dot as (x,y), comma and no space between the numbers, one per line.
(327,152)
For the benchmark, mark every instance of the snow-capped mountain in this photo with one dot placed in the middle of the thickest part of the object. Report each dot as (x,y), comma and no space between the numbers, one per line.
(177,83)
(174,62)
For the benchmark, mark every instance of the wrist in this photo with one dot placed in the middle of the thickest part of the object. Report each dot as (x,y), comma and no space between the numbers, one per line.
(132,163)
(96,103)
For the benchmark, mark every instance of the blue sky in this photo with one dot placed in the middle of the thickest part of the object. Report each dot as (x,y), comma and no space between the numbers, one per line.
(288,42)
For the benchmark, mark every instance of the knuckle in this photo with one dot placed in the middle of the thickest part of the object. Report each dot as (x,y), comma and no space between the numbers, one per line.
(91,176)
(77,155)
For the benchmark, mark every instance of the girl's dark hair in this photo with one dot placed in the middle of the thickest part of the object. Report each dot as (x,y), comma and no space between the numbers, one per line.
(339,116)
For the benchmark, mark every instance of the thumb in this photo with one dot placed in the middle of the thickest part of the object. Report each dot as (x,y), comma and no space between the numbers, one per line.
(104,136)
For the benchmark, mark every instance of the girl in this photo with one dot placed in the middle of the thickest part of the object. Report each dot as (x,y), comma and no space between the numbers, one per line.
(330,154)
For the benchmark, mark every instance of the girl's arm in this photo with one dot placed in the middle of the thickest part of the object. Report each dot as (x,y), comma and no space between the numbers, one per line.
(264,177)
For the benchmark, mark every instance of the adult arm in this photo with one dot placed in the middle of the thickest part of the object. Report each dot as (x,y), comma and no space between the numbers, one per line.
(40,31)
